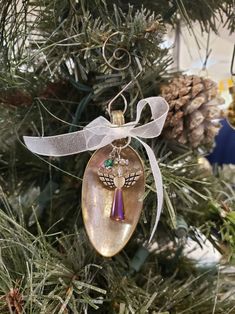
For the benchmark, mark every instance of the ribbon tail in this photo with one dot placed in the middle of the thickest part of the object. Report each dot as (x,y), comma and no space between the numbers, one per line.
(96,135)
(58,145)
(158,183)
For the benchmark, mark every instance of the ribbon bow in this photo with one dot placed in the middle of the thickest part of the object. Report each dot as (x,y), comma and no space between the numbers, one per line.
(101,132)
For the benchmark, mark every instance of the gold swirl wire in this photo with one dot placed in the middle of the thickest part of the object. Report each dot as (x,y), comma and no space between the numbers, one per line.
(118,54)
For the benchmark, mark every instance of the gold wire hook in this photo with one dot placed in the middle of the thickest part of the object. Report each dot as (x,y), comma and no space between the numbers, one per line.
(111,102)
(118,58)
(121,94)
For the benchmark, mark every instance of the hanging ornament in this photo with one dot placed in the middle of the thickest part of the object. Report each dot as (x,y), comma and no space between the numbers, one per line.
(112,207)
(194,107)
(113,183)
(231,108)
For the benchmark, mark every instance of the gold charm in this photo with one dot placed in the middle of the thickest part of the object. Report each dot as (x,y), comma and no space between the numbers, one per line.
(231,109)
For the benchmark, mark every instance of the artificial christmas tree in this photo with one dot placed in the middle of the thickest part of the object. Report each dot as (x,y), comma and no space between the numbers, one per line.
(62,62)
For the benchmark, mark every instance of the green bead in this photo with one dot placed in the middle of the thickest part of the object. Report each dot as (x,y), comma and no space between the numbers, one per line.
(108,163)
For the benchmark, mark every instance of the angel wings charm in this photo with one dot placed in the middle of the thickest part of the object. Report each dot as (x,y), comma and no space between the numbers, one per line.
(116,174)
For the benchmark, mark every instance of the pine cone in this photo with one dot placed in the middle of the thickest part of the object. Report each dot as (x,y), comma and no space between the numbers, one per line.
(194,105)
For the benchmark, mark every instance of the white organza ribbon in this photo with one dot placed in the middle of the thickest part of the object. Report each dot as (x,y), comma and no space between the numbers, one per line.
(100,132)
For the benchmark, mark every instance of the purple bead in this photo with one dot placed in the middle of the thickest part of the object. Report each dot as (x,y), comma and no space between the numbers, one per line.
(117,212)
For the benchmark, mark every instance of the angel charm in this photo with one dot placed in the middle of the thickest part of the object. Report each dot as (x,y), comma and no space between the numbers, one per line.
(116,174)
